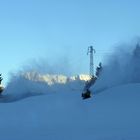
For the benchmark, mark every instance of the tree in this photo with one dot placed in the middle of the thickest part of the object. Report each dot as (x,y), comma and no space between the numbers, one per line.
(1,87)
(136,52)
(1,78)
(98,69)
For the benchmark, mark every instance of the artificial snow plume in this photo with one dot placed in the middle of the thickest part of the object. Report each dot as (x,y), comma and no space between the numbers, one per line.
(39,77)
(19,87)
(122,67)
(32,83)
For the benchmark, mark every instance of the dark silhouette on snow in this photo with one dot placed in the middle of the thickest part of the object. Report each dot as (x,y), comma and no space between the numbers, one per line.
(98,69)
(1,78)
(1,88)
(87,94)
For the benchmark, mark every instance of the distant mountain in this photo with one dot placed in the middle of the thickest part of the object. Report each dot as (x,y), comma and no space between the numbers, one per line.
(54,79)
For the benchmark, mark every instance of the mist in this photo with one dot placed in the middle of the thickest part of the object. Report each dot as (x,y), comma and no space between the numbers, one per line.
(19,86)
(121,67)
(47,66)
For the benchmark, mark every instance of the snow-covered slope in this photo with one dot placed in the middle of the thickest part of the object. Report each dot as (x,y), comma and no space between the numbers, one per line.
(110,115)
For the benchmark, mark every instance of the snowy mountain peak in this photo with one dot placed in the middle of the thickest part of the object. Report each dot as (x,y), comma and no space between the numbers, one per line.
(54,79)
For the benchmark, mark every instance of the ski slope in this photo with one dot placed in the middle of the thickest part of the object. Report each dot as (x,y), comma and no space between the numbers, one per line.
(112,114)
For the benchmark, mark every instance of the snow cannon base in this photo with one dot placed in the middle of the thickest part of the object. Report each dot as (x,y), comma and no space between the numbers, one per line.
(86,95)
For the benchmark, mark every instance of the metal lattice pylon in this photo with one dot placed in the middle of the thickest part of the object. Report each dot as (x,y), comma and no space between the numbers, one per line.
(91,51)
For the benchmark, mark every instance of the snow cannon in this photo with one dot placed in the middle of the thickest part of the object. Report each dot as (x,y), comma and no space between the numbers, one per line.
(86,94)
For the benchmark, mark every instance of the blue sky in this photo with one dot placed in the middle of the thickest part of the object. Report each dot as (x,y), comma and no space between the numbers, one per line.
(63,29)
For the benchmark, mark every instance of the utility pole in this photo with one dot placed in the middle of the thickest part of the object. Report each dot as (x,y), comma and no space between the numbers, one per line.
(91,51)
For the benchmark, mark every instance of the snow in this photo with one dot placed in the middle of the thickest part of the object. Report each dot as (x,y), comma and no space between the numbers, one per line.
(112,114)
(50,107)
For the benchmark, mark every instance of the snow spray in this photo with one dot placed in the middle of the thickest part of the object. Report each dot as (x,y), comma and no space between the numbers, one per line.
(121,67)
